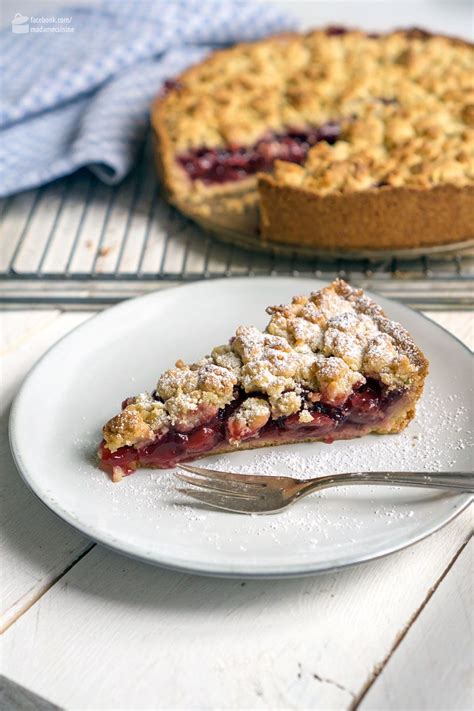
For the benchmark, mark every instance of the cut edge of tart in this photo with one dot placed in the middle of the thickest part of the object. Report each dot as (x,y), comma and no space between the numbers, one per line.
(273,136)
(328,366)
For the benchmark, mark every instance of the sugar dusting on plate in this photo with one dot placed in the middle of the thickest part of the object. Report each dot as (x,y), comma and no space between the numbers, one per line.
(152,494)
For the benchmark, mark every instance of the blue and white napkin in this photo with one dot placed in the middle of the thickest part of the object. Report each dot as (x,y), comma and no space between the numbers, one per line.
(77,84)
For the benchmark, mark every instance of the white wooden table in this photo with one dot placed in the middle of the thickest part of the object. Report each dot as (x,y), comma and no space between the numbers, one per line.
(88,629)
(85,628)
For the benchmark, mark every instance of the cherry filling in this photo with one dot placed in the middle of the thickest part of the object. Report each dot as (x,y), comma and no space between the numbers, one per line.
(222,165)
(367,406)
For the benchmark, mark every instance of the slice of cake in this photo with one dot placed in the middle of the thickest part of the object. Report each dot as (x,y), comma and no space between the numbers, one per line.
(328,366)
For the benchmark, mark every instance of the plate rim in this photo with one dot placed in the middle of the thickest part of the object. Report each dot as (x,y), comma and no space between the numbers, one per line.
(183,565)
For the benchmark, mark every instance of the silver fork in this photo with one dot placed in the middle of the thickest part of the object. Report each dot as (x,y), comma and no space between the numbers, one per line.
(251,494)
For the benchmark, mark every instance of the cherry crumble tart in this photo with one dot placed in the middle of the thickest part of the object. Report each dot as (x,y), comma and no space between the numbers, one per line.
(337,139)
(328,366)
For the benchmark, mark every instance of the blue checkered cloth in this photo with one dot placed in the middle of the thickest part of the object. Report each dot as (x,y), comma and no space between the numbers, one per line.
(82,98)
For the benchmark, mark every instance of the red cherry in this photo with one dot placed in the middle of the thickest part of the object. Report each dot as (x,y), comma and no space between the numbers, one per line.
(122,456)
(202,439)
(126,458)
(364,406)
(319,420)
(221,165)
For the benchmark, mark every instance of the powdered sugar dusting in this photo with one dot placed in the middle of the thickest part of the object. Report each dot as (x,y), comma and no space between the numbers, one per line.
(336,518)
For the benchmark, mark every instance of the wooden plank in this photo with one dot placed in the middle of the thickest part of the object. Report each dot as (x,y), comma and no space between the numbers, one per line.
(39,228)
(134,636)
(17,326)
(68,226)
(437,649)
(35,546)
(459,323)
(14,223)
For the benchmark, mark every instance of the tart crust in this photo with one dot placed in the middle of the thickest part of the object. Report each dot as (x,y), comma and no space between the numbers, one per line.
(395,216)
(381,219)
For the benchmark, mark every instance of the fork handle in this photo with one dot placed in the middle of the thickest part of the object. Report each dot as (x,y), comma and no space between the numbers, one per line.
(453,481)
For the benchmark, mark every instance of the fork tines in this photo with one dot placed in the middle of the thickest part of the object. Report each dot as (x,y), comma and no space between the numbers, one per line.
(232,492)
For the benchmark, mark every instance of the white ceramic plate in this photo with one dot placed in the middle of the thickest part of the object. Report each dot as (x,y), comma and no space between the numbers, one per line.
(80,382)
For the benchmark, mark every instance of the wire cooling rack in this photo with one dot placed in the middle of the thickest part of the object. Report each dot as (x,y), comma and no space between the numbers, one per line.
(78,243)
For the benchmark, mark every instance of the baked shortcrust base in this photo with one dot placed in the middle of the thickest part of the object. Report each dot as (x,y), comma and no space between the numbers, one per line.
(384,218)
(339,139)
(329,366)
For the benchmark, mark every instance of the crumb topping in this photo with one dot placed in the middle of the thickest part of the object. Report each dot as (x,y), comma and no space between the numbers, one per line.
(404,102)
(139,422)
(319,347)
(193,394)
(347,336)
(335,379)
(249,417)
